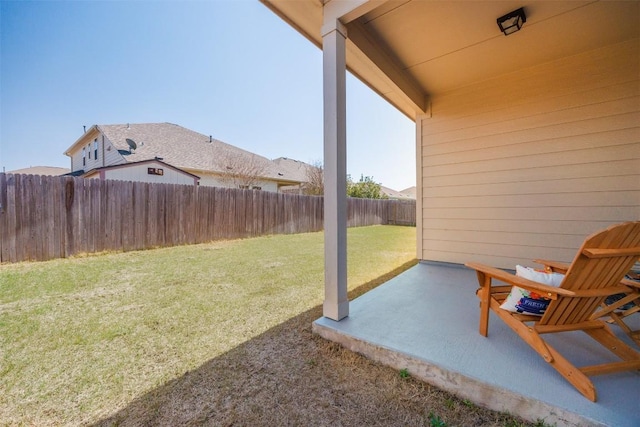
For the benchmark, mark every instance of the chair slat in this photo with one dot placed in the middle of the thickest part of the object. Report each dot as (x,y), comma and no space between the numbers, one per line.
(610,368)
(608,253)
(596,272)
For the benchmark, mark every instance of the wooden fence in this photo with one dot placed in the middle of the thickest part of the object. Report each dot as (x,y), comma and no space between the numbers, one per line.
(43,217)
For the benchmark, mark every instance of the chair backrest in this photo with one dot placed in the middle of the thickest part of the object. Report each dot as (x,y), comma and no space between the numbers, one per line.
(602,261)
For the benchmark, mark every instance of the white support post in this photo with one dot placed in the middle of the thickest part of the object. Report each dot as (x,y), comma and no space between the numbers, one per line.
(336,303)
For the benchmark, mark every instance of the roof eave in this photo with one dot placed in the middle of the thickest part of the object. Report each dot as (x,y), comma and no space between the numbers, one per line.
(381,76)
(73,146)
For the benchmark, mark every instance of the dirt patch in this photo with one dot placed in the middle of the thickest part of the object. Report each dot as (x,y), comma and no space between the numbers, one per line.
(289,376)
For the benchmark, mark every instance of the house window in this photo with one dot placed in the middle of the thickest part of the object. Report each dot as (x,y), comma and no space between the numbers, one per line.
(84,156)
(243,187)
(95,148)
(255,187)
(89,150)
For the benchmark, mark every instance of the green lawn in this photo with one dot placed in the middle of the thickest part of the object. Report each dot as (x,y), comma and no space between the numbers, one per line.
(81,338)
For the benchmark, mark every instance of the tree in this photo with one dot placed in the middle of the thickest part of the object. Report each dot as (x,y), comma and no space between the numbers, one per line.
(366,188)
(315,180)
(243,171)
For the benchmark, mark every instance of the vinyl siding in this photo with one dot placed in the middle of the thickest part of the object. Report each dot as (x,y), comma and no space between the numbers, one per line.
(111,154)
(139,173)
(107,154)
(211,180)
(92,161)
(527,165)
(76,159)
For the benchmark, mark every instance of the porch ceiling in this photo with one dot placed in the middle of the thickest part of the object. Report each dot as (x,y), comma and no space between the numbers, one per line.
(409,50)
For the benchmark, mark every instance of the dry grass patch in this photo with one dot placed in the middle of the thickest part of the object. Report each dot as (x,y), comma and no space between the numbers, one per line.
(214,334)
(288,376)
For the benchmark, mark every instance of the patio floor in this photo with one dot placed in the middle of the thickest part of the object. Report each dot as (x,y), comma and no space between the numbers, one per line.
(426,320)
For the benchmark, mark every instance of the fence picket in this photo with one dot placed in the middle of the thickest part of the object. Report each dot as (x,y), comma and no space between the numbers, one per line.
(4,216)
(43,217)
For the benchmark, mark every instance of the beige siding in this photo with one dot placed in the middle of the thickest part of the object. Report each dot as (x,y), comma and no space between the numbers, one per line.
(139,173)
(211,180)
(107,154)
(93,161)
(80,149)
(528,164)
(111,154)
(76,160)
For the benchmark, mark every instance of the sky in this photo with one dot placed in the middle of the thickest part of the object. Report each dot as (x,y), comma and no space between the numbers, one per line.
(227,68)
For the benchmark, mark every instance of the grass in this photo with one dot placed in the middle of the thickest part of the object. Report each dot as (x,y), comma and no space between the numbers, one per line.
(214,334)
(86,335)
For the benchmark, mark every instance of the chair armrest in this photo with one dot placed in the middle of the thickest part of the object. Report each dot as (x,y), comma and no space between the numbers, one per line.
(547,291)
(631,283)
(553,266)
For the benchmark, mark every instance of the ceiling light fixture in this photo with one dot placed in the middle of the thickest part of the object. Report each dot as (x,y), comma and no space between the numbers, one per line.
(512,21)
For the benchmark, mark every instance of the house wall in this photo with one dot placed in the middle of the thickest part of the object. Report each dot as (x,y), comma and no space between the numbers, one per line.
(527,165)
(211,180)
(86,150)
(107,154)
(76,160)
(111,154)
(139,173)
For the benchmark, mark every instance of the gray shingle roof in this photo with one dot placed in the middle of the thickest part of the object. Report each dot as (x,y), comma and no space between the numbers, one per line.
(410,192)
(186,149)
(41,170)
(400,195)
(293,168)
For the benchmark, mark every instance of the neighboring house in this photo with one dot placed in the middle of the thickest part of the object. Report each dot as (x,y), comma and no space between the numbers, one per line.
(295,169)
(41,170)
(304,172)
(183,153)
(145,171)
(393,194)
(526,143)
(409,192)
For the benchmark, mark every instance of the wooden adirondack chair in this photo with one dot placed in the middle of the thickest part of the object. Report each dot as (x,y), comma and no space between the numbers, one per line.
(621,309)
(595,273)
(616,311)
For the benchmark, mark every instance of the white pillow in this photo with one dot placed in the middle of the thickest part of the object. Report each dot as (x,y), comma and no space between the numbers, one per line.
(522,301)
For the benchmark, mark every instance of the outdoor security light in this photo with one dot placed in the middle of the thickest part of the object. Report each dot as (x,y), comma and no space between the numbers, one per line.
(512,21)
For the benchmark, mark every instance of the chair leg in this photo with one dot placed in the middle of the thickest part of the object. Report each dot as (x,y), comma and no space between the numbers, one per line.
(565,368)
(572,374)
(608,339)
(618,319)
(527,334)
(484,293)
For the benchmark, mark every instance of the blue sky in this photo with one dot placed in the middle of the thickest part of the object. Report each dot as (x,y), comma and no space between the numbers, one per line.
(228,68)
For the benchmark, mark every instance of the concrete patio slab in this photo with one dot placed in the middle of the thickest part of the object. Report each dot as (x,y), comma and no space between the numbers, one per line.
(426,320)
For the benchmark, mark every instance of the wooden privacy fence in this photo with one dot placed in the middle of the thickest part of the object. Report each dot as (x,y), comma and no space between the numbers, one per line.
(43,217)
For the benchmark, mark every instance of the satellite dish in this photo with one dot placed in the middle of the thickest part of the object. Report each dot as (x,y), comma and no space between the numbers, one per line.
(132,144)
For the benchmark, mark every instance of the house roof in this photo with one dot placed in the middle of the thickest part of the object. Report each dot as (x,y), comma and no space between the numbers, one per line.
(393,194)
(185,149)
(409,192)
(409,50)
(294,168)
(41,170)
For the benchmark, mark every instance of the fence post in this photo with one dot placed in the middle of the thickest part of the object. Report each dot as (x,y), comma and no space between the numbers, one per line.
(51,217)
